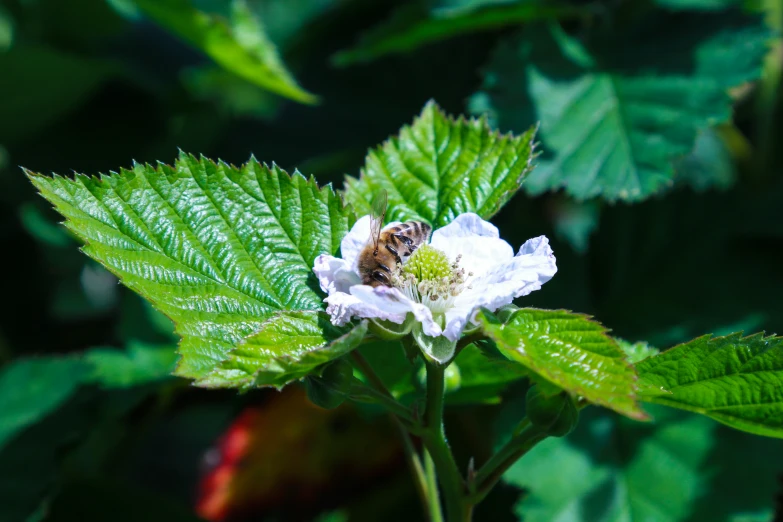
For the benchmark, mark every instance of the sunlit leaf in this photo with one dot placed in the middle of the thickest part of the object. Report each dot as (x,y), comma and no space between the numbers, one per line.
(287,347)
(733,379)
(218,249)
(32,388)
(616,111)
(239,45)
(684,467)
(440,167)
(414,25)
(570,351)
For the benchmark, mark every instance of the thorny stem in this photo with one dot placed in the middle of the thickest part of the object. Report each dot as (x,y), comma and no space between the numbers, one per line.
(434,438)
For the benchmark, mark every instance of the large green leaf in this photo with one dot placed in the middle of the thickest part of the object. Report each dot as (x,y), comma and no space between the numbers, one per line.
(617,108)
(239,45)
(287,347)
(570,351)
(682,468)
(32,388)
(218,249)
(440,167)
(414,25)
(734,380)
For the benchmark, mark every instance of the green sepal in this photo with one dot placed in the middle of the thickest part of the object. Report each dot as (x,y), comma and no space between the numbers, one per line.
(389,331)
(439,350)
(410,348)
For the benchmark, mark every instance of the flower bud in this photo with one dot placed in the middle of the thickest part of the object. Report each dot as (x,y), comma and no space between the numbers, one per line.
(332,387)
(556,414)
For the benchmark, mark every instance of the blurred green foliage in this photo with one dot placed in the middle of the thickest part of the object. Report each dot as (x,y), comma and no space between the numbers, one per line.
(672,105)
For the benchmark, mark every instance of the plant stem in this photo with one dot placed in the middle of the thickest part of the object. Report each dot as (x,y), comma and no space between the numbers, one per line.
(525,437)
(467,341)
(436,512)
(434,439)
(361,393)
(420,478)
(404,425)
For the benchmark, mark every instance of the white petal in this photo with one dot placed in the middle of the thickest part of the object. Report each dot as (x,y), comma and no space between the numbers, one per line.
(457,319)
(536,256)
(343,306)
(391,300)
(476,240)
(334,274)
(355,240)
(532,267)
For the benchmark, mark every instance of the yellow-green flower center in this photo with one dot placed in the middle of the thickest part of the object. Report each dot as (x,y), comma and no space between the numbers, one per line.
(428,264)
(429,278)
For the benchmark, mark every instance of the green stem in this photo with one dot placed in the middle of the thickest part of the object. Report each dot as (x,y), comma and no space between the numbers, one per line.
(525,437)
(435,510)
(434,439)
(467,341)
(359,392)
(401,417)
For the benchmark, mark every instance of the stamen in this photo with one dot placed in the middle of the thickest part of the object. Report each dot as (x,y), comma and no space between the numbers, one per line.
(429,278)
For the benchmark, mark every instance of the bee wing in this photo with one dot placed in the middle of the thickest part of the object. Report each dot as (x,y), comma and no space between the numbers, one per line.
(377,216)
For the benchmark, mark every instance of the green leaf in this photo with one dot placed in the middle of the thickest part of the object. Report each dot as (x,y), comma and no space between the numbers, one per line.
(32,388)
(413,26)
(708,165)
(569,351)
(684,467)
(483,378)
(138,364)
(218,249)
(287,347)
(240,46)
(637,351)
(734,380)
(618,107)
(439,167)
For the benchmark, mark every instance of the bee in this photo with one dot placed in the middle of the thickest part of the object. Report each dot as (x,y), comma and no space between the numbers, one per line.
(386,248)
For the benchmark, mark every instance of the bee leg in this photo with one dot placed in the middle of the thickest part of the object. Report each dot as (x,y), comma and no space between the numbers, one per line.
(394,251)
(382,278)
(405,239)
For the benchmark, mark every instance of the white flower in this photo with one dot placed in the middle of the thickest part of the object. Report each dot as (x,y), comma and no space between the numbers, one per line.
(473,268)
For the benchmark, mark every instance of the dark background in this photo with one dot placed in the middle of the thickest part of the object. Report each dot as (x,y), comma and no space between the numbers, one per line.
(85,89)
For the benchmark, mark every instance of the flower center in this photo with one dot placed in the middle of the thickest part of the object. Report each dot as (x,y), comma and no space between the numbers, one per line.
(428,278)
